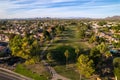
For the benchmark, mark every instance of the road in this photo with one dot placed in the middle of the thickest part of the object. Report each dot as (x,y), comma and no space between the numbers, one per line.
(6,76)
(10,75)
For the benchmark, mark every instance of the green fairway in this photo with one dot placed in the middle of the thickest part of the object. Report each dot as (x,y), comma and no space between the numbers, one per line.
(68,40)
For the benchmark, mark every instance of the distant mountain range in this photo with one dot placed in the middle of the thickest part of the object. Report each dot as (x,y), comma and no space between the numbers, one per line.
(113,18)
(88,18)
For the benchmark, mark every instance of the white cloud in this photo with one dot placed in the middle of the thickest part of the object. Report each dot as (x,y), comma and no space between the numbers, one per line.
(62,0)
(40,8)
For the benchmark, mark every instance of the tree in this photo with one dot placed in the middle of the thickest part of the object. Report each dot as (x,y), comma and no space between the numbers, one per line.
(116,63)
(85,66)
(59,29)
(46,35)
(49,57)
(96,39)
(92,39)
(26,48)
(35,48)
(66,53)
(95,55)
(102,47)
(53,32)
(15,44)
(81,33)
(77,51)
(108,54)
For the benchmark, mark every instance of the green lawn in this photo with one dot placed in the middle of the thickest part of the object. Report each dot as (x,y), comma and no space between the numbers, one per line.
(69,73)
(22,70)
(68,39)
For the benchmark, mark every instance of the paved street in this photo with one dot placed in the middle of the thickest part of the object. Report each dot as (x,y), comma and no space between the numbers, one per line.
(10,75)
(5,76)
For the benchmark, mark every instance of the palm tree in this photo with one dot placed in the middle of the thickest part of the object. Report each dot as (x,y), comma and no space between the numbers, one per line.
(77,51)
(66,53)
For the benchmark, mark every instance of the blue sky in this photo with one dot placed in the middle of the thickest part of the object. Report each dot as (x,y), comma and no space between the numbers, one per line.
(59,8)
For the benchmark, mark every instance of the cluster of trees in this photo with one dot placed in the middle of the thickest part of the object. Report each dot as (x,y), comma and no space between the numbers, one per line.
(96,39)
(82,28)
(2,28)
(58,29)
(3,25)
(47,35)
(101,23)
(89,64)
(116,28)
(24,47)
(116,45)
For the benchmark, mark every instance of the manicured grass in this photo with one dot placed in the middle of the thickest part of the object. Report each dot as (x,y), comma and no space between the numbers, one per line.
(68,41)
(22,70)
(69,73)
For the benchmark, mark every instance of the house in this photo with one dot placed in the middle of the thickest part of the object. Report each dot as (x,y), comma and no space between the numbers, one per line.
(4,38)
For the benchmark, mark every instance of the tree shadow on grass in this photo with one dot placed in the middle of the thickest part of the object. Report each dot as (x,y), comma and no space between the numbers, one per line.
(58,54)
(62,41)
(67,35)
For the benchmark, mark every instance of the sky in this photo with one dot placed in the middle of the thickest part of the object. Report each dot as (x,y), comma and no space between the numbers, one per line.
(58,8)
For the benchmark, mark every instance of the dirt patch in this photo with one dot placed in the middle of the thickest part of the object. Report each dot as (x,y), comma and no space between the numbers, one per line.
(39,68)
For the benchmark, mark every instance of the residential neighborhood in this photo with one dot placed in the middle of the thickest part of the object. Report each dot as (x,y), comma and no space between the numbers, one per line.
(45,43)
(59,40)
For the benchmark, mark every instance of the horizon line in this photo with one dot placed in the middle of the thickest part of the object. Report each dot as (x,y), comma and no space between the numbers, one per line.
(62,17)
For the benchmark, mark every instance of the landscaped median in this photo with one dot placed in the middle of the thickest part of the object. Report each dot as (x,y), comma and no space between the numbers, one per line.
(21,69)
(13,74)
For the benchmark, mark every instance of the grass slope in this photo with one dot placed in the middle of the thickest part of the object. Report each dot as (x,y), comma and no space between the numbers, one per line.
(22,70)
